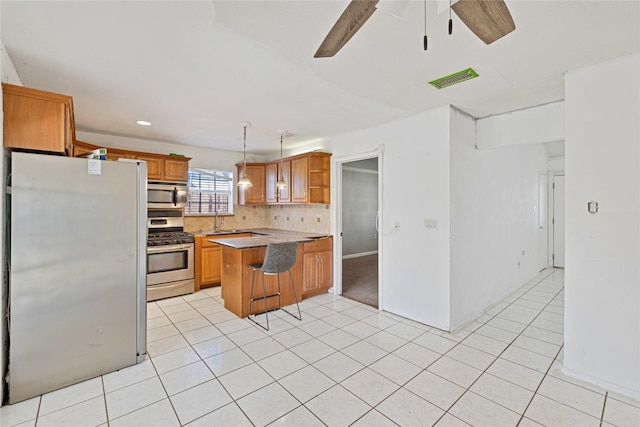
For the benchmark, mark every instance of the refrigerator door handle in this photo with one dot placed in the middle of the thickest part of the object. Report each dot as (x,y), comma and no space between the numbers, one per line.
(141,322)
(378,221)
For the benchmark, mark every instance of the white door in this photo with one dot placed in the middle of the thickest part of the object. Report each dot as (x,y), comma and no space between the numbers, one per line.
(543,259)
(558,221)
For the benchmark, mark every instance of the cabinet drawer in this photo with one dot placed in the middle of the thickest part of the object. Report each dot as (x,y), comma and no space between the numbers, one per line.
(324,244)
(206,243)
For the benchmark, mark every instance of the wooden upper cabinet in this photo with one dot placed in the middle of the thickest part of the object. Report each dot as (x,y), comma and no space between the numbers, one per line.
(256,193)
(37,120)
(299,180)
(155,167)
(284,195)
(273,171)
(176,170)
(271,177)
(308,178)
(160,167)
(311,178)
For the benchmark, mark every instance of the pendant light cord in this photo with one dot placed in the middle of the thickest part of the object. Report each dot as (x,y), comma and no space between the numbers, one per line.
(450,20)
(244,151)
(425,41)
(281,156)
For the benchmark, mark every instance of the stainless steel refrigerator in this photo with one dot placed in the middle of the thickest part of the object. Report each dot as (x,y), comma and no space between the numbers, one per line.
(77,275)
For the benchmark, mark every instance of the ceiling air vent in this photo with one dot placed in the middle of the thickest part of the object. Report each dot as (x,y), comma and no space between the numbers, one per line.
(454,78)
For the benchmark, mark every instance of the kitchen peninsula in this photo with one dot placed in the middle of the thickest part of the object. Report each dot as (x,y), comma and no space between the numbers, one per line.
(239,253)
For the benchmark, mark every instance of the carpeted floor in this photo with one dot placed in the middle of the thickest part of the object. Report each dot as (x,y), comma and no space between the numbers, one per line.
(360,279)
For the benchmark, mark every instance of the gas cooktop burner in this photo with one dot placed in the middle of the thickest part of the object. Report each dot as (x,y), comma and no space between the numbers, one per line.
(169,238)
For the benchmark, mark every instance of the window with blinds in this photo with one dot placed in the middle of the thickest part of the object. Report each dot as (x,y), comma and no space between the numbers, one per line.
(210,192)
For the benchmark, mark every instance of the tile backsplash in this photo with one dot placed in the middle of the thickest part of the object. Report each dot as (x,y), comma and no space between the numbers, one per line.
(311,218)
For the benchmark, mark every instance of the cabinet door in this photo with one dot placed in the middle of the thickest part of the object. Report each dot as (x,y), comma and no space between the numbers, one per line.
(211,265)
(155,167)
(299,177)
(176,170)
(37,120)
(325,269)
(271,176)
(255,194)
(284,195)
(309,272)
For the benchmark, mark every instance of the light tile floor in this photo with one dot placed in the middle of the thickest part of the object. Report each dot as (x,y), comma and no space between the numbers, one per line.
(344,364)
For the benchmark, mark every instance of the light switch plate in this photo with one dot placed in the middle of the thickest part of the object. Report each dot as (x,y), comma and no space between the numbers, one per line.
(431,223)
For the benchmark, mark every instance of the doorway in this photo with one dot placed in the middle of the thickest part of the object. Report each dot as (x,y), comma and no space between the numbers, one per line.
(558,221)
(359,230)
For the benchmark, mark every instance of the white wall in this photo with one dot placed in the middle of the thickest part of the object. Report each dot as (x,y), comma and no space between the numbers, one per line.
(602,277)
(556,164)
(494,219)
(543,123)
(359,210)
(415,180)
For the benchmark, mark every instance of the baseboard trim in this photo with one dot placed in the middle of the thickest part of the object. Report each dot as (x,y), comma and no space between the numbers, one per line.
(359,255)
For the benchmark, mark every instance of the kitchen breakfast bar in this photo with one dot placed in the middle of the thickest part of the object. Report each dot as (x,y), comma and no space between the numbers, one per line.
(238,254)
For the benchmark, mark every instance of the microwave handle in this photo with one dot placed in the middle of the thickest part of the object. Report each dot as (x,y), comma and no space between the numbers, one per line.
(175,196)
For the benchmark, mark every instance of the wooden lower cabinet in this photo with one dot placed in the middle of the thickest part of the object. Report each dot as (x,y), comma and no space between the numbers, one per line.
(317,261)
(208,260)
(211,271)
(237,276)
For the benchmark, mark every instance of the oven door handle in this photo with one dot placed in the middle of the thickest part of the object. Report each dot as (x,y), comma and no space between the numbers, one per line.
(168,248)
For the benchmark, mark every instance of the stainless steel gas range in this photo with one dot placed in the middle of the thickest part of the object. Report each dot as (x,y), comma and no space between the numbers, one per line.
(170,255)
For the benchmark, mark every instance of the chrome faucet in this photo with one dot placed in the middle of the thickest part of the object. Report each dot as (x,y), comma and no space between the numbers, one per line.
(217,223)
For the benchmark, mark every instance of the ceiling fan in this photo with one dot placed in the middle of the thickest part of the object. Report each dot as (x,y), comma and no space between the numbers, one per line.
(487,19)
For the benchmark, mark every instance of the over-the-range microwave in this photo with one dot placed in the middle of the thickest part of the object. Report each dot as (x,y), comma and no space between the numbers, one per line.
(165,195)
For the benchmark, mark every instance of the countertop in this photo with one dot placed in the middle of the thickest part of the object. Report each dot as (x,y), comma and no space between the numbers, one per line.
(264,237)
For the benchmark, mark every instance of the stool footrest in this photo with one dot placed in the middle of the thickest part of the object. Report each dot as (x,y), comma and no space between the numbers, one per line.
(266,296)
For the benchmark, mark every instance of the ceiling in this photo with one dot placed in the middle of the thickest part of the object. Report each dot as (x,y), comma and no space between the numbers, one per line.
(195,70)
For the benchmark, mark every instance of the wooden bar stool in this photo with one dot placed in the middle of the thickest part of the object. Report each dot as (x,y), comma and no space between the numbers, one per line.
(280,257)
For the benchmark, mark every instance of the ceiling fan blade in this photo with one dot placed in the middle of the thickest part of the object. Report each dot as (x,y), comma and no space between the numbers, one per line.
(487,19)
(353,17)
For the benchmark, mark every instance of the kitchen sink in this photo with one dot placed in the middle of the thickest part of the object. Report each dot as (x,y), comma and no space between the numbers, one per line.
(216,233)
(221,232)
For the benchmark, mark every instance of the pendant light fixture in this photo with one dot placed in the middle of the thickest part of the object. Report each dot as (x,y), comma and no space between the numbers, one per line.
(281,182)
(244,181)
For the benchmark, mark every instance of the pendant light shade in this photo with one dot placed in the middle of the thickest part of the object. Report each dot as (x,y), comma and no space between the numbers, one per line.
(281,183)
(244,181)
